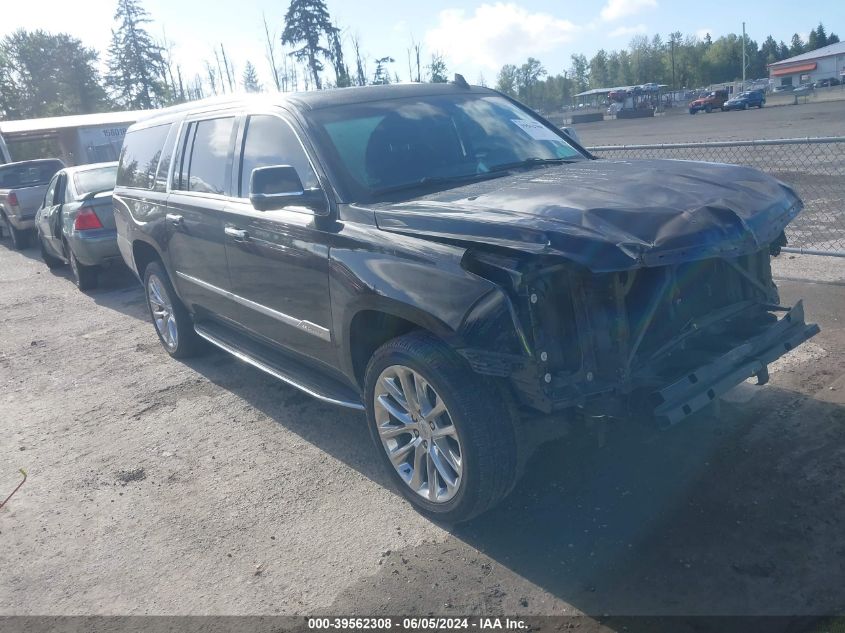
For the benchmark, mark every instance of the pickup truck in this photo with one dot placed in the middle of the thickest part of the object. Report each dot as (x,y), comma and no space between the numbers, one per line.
(22,188)
(445,260)
(712,101)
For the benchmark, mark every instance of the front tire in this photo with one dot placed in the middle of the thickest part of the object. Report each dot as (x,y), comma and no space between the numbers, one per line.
(172,322)
(443,432)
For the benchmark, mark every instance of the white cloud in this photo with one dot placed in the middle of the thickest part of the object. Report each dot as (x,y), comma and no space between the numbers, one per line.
(628,30)
(615,9)
(495,34)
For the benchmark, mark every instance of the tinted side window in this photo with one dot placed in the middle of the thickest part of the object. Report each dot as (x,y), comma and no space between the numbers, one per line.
(51,192)
(270,141)
(140,155)
(208,163)
(166,157)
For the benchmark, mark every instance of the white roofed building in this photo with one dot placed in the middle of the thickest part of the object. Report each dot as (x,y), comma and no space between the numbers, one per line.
(827,62)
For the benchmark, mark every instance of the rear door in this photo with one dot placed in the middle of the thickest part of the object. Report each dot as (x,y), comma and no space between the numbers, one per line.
(199,192)
(279,259)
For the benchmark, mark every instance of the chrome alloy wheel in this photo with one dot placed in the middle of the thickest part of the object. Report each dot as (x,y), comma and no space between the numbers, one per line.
(417,433)
(162,309)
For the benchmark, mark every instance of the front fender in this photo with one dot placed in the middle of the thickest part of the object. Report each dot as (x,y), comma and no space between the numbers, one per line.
(418,281)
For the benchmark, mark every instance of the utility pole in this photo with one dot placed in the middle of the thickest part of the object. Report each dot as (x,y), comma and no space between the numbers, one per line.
(743,56)
(672,42)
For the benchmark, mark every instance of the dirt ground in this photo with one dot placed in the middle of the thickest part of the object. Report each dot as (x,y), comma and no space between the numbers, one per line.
(161,487)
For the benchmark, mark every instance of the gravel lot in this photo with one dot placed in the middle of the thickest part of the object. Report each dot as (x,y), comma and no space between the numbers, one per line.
(160,487)
(816,118)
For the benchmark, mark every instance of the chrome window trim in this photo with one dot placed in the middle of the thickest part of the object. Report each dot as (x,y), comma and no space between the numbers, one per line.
(306,326)
(283,116)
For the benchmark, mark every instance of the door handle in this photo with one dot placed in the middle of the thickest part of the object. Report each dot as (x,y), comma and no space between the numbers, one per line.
(239,235)
(174,219)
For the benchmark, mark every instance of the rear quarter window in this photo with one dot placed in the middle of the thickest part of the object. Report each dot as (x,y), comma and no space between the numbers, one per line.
(140,156)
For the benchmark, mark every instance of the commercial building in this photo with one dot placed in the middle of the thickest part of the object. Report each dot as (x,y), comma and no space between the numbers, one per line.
(823,63)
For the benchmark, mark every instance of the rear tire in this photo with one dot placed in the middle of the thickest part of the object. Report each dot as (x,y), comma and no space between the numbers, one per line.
(481,440)
(171,319)
(51,261)
(86,277)
(20,239)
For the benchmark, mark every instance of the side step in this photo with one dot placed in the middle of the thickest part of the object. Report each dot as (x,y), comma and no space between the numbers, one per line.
(280,366)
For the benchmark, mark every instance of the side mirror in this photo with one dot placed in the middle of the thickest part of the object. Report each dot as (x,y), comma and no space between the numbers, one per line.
(279,186)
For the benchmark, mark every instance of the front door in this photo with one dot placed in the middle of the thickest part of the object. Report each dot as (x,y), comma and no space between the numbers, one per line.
(49,215)
(279,259)
(194,220)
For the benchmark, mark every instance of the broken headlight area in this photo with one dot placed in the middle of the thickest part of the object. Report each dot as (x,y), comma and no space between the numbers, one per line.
(661,341)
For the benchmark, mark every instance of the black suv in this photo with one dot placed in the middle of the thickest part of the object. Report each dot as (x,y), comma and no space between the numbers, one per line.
(445,259)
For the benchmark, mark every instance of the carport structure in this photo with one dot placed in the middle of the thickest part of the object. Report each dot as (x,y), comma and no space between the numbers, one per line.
(76,139)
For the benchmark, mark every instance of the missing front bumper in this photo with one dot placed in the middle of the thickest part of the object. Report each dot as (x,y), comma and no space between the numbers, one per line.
(703,385)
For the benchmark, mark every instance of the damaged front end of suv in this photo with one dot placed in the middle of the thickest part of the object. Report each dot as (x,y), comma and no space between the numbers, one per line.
(653,312)
(662,341)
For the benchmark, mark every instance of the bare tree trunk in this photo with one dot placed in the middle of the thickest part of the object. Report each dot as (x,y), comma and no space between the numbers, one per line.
(212,79)
(271,54)
(219,72)
(229,71)
(181,85)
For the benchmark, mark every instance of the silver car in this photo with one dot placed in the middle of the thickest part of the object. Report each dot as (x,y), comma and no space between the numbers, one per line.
(75,222)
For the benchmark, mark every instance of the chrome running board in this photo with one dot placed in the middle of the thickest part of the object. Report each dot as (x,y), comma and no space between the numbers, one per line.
(305,383)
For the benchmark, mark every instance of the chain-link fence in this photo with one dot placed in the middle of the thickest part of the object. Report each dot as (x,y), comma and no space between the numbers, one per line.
(815,167)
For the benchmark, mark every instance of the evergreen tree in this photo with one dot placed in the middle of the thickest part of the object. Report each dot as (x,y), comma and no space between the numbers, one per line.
(382,74)
(599,72)
(135,61)
(578,72)
(833,38)
(506,80)
(306,23)
(797,46)
(250,78)
(437,69)
(821,36)
(42,74)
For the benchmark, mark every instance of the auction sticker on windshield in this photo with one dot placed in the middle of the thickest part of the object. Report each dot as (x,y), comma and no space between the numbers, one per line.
(535,130)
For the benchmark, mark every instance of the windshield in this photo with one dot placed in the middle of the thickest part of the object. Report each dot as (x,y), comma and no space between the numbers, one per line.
(93,180)
(402,144)
(29,174)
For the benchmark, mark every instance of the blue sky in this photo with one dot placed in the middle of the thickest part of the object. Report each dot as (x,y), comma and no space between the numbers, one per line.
(475,37)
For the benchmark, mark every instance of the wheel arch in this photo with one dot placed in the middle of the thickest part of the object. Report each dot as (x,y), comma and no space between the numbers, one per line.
(372,326)
(143,253)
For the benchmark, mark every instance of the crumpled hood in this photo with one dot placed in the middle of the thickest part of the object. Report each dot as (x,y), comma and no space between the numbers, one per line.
(608,215)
